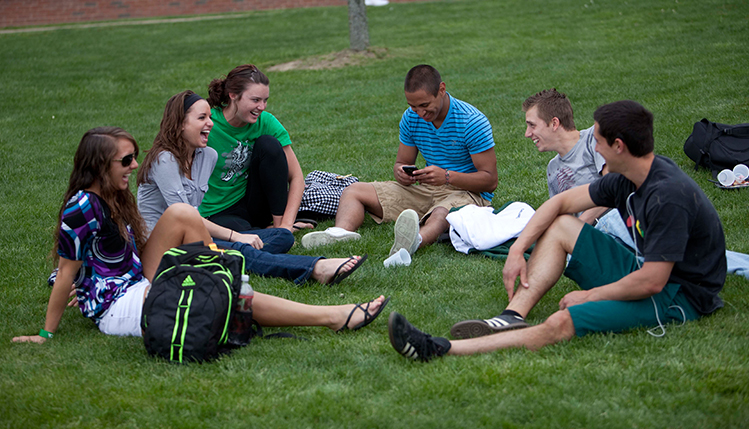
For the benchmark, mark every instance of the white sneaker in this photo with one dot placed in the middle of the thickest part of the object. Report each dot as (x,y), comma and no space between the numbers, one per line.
(376,2)
(406,232)
(331,235)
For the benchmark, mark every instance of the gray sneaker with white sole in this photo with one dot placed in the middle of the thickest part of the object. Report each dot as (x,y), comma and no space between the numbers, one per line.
(406,232)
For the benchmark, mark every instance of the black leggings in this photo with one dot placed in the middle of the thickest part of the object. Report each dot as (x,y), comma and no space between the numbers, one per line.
(267,189)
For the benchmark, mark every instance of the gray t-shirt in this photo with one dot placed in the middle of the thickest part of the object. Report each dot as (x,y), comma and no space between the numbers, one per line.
(580,166)
(167,186)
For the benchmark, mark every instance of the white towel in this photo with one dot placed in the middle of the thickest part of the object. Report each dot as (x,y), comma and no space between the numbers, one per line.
(474,227)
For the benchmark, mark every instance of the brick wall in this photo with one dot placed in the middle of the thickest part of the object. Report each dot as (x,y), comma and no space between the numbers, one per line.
(20,13)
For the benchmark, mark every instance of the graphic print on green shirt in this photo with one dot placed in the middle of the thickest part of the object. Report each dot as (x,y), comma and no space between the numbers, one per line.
(228,182)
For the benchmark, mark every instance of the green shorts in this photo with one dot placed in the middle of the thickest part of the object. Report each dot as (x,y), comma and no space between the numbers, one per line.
(597,260)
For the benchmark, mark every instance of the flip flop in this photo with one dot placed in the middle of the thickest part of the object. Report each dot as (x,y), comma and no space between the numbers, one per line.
(339,276)
(304,220)
(368,318)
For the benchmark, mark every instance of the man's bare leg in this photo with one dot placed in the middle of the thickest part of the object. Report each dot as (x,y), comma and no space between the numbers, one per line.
(415,344)
(547,263)
(434,226)
(545,267)
(356,200)
(558,327)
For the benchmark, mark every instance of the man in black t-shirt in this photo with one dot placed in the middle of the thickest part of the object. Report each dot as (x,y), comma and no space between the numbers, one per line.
(675,227)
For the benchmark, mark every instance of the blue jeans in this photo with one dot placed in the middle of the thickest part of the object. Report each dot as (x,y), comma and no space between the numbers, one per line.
(271,261)
(612,224)
(275,240)
(738,263)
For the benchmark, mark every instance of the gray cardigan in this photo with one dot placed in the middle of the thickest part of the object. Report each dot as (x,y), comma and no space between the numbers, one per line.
(167,186)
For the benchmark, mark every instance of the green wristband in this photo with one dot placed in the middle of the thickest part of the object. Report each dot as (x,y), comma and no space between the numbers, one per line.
(46,334)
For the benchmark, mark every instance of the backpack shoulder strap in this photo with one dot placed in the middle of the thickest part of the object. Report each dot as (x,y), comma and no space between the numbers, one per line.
(741,130)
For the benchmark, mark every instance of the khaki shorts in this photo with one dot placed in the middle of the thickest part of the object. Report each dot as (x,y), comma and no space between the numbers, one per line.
(394,198)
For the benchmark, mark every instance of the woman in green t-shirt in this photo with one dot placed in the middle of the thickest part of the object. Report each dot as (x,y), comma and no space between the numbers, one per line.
(257,181)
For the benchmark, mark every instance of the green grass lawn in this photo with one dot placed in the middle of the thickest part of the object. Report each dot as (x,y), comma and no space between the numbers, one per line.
(684,60)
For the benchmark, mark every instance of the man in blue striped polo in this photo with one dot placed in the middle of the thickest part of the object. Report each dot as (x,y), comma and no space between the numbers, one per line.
(456,142)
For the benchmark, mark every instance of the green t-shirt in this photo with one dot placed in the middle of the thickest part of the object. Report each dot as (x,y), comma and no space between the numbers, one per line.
(228,182)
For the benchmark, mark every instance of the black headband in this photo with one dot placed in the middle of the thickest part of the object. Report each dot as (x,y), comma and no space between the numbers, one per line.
(189,101)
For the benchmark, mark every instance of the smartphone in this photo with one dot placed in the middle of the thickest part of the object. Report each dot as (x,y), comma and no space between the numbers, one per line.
(409,169)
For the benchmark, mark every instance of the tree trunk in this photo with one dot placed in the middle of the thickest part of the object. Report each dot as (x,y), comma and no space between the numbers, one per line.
(357,24)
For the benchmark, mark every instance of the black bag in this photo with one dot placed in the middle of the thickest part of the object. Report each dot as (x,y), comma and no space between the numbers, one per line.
(718,146)
(186,314)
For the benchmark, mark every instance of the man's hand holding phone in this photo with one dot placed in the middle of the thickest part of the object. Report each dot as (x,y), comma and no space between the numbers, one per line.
(405,174)
(409,169)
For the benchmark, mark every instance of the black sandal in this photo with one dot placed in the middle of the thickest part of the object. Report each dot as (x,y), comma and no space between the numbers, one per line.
(339,276)
(304,220)
(368,318)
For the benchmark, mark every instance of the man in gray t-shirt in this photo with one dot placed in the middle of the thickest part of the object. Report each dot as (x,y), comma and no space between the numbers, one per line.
(581,165)
(551,125)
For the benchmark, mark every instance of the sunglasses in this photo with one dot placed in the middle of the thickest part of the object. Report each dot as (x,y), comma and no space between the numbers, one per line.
(127,159)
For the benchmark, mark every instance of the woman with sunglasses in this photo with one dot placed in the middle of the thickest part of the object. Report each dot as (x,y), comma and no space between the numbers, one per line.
(257,180)
(101,231)
(176,170)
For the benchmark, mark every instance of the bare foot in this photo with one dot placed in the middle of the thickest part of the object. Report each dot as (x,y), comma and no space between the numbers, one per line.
(325,268)
(358,316)
(303,225)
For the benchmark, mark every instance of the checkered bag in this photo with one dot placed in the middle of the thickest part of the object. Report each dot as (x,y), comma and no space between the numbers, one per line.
(322,191)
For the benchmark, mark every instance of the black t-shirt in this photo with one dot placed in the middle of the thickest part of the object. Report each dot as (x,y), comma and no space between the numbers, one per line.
(673,221)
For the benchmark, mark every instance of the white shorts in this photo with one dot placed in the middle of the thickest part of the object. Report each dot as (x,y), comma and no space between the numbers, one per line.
(123,316)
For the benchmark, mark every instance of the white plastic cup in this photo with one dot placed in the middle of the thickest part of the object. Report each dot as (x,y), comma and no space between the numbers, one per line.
(401,257)
(741,172)
(726,177)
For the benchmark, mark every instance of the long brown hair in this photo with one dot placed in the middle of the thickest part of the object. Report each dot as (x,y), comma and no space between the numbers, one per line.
(234,83)
(170,138)
(91,164)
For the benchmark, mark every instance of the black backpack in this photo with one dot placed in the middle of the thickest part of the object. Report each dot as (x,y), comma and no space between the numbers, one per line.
(186,314)
(718,146)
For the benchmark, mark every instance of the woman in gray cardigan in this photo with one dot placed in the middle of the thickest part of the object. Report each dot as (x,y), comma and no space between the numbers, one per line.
(176,170)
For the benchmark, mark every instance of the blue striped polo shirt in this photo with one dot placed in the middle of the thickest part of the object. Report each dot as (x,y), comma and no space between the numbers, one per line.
(464,132)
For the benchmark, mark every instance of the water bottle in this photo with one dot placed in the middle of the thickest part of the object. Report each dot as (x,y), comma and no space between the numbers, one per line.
(240,327)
